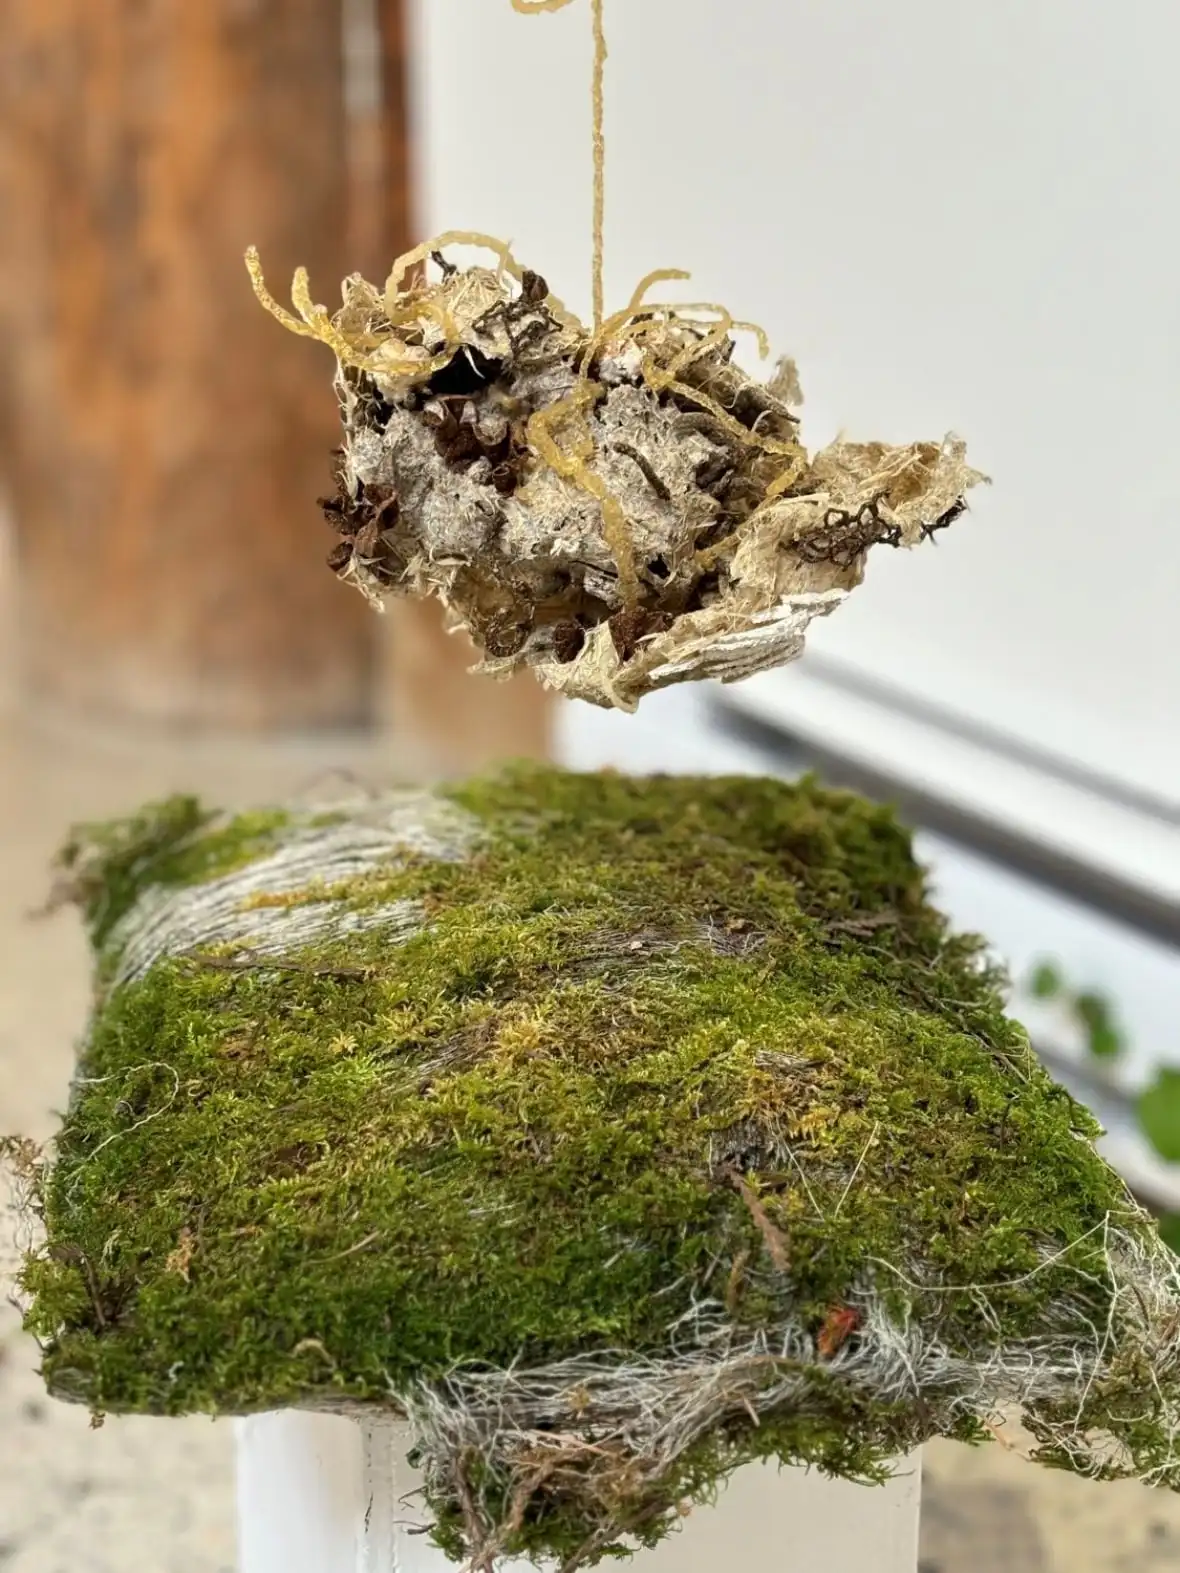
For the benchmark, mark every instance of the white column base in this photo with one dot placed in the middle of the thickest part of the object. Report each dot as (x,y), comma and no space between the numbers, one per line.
(322,1494)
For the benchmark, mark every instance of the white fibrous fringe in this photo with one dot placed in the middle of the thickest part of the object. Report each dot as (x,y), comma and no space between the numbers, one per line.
(306,865)
(582,1425)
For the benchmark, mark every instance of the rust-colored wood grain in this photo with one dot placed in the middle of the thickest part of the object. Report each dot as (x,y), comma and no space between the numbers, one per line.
(164,439)
(430,698)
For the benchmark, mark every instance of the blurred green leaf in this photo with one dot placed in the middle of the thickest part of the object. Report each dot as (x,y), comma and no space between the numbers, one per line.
(1159,1114)
(1093,1009)
(1104,1042)
(1170,1231)
(1046,982)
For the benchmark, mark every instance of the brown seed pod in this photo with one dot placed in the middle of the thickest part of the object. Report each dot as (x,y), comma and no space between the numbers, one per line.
(340,557)
(568,639)
(628,628)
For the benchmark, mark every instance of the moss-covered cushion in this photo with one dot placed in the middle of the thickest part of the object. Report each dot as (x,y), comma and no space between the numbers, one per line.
(616,1131)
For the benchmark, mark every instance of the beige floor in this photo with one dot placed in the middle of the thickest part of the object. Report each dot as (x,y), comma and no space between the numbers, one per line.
(144,1496)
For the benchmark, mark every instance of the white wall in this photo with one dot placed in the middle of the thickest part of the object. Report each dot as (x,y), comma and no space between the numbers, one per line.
(955,213)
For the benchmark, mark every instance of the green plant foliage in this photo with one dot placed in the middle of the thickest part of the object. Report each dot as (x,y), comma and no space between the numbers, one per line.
(1046,982)
(1102,1036)
(1091,1011)
(1159,1114)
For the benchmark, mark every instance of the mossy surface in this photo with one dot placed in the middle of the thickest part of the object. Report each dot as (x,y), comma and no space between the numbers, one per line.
(660,1041)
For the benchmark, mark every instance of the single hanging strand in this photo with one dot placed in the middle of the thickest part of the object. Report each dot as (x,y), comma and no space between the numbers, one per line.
(531,7)
(599,156)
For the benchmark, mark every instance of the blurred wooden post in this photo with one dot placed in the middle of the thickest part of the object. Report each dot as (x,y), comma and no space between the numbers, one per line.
(165,440)
(428,696)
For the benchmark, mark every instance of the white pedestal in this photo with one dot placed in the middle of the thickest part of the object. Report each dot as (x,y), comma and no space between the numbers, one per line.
(321,1494)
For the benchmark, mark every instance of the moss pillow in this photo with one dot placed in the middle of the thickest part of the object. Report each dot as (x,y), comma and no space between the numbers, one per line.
(614,1131)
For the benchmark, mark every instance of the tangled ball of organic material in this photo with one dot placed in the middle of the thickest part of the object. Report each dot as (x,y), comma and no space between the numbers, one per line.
(613,1133)
(618,508)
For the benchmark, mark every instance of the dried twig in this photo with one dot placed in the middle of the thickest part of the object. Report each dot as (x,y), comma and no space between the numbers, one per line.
(274,964)
(772,1236)
(859,1165)
(733,1285)
(861,927)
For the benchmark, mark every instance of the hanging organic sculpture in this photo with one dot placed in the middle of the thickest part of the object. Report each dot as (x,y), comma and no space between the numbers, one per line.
(617,505)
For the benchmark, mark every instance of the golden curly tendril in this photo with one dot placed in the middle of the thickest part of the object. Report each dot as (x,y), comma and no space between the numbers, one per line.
(643,321)
(650,280)
(571,463)
(508,264)
(450,237)
(377,352)
(313,322)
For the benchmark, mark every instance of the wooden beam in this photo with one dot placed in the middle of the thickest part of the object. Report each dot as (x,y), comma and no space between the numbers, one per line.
(165,440)
(428,695)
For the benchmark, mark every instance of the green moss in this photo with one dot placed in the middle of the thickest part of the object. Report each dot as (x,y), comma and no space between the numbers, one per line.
(646,1020)
(106,866)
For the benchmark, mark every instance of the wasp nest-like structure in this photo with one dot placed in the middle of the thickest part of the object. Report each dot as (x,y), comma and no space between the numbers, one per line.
(612,1133)
(618,508)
